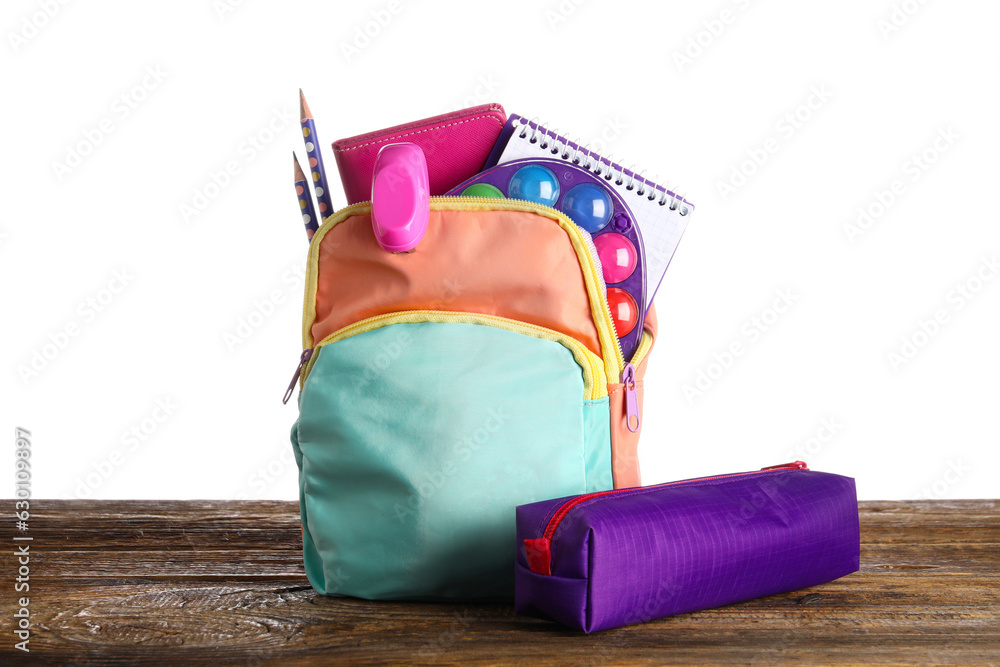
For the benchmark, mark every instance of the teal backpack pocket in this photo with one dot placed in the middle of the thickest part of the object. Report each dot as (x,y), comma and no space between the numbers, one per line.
(421,432)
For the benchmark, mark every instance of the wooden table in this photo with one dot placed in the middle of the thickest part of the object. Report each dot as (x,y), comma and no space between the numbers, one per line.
(129,582)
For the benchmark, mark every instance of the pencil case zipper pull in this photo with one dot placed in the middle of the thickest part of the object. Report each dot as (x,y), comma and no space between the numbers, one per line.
(794,465)
(306,354)
(631,398)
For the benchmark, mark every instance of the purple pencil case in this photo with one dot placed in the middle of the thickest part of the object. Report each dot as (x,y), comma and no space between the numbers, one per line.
(612,558)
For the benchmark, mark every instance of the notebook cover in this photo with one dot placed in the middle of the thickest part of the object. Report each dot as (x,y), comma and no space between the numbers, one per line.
(456,146)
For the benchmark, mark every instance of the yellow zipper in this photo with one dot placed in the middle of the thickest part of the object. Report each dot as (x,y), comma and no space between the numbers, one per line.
(594,380)
(613,359)
(645,342)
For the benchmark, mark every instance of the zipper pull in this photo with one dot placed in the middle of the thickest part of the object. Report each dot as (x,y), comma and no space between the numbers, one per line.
(631,398)
(539,555)
(298,371)
(795,465)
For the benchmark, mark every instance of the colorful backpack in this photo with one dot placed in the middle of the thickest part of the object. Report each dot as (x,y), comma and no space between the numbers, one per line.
(443,387)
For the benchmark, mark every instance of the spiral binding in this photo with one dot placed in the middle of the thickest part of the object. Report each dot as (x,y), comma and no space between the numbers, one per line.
(572,151)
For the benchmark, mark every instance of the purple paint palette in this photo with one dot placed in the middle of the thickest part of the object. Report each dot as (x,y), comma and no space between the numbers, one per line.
(595,208)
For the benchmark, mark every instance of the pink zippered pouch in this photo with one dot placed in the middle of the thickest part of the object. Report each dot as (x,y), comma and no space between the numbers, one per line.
(455,145)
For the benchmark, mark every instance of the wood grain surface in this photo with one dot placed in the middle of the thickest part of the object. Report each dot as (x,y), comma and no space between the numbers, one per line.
(217,582)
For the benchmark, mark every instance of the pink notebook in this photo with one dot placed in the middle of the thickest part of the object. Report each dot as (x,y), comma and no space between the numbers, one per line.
(455,144)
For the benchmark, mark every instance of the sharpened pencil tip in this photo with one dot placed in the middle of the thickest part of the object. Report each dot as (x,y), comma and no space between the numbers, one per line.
(299,174)
(304,112)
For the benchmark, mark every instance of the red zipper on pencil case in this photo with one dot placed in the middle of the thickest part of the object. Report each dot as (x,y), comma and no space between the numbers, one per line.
(539,550)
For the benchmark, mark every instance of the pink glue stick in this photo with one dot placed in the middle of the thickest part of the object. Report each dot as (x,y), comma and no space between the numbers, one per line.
(400,197)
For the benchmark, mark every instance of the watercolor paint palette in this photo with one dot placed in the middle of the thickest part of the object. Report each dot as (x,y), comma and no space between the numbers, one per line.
(595,208)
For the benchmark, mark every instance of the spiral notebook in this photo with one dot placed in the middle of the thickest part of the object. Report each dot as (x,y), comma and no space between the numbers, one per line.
(662,215)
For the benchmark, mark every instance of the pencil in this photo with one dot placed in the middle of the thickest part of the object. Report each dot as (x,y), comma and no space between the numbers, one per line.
(315,158)
(305,199)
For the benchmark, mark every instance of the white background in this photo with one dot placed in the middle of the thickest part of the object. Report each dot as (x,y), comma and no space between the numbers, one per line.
(631,78)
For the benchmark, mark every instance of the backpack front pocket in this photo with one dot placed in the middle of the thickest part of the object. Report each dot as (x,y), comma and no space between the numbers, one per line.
(419,434)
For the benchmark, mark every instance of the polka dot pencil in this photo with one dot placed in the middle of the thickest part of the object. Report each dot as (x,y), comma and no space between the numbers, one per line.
(315,158)
(305,200)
